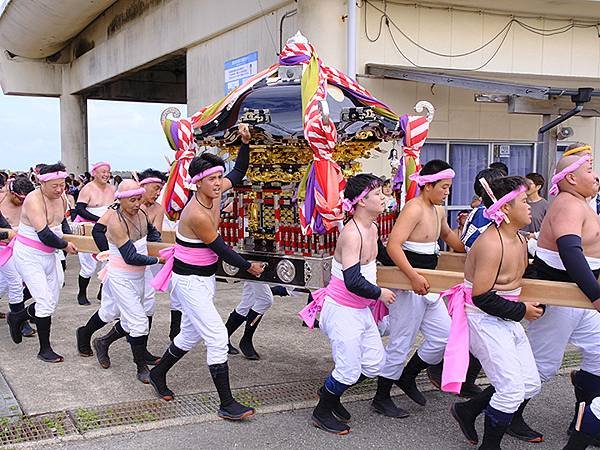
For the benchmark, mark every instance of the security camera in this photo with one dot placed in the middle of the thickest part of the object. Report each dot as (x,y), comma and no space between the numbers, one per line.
(564,133)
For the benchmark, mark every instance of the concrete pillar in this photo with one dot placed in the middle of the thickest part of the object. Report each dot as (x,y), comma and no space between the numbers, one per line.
(73,133)
(323,22)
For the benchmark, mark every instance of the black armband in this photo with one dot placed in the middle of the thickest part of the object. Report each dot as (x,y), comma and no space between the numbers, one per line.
(133,258)
(153,233)
(242,162)
(571,255)
(99,235)
(227,254)
(3,222)
(3,235)
(80,209)
(66,228)
(494,305)
(49,238)
(357,284)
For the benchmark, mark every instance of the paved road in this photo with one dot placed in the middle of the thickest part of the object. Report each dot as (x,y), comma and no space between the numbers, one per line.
(429,428)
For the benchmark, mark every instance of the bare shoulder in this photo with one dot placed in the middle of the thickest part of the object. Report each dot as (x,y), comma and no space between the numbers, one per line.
(349,233)
(565,203)
(488,245)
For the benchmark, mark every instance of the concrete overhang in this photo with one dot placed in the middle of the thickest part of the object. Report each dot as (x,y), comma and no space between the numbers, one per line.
(40,28)
(525,93)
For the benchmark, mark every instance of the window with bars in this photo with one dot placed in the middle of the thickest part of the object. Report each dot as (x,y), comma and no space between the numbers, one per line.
(468,158)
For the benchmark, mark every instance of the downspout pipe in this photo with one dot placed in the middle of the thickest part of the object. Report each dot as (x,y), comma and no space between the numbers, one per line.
(583,96)
(351,40)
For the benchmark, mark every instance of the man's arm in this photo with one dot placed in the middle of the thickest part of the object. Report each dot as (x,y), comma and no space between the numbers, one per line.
(204,230)
(237,174)
(81,205)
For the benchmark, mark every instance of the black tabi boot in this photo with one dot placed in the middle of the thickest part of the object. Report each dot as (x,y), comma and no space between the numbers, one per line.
(234,321)
(84,335)
(229,408)
(465,413)
(138,348)
(246,347)
(26,330)
(469,388)
(158,374)
(586,387)
(492,434)
(339,411)
(587,430)
(16,319)
(383,403)
(323,416)
(82,294)
(102,344)
(150,359)
(99,294)
(175,325)
(407,381)
(46,353)
(519,429)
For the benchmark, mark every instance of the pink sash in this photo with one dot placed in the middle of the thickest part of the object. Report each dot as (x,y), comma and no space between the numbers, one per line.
(117,262)
(456,355)
(336,289)
(80,219)
(7,251)
(189,255)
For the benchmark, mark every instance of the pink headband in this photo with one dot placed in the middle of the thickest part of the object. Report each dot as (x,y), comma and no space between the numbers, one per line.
(348,205)
(493,212)
(422,180)
(150,180)
(557,178)
(130,193)
(98,165)
(204,174)
(52,176)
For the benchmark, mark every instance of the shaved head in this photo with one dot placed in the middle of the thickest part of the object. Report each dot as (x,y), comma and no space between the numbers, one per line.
(128,185)
(563,163)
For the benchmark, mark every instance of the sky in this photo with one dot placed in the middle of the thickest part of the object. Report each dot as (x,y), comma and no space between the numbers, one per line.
(126,134)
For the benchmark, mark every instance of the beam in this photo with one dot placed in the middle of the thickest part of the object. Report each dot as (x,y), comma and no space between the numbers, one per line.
(546,292)
(85,244)
(553,106)
(552,293)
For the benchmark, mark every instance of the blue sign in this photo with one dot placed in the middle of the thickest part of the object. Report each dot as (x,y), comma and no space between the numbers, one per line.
(239,70)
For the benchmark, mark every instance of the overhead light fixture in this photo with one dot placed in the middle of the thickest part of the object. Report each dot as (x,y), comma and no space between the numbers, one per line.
(491,98)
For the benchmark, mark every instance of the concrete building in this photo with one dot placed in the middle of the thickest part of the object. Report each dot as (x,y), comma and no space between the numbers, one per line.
(504,54)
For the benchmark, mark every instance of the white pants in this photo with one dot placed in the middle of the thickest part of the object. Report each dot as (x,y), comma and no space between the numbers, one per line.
(550,334)
(42,274)
(503,349)
(200,319)
(109,310)
(409,314)
(88,265)
(126,290)
(11,282)
(595,407)
(149,292)
(355,342)
(256,296)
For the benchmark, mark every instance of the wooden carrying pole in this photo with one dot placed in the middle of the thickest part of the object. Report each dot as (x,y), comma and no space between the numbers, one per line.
(546,292)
